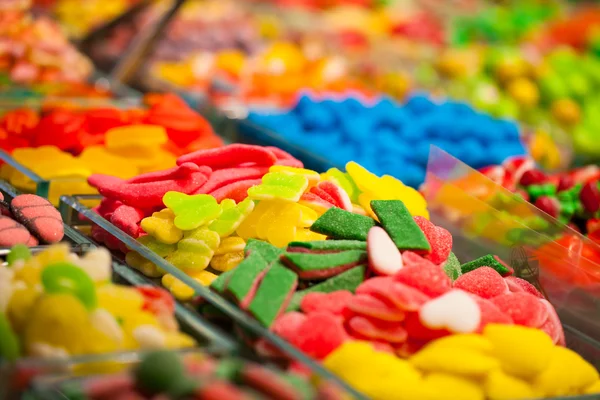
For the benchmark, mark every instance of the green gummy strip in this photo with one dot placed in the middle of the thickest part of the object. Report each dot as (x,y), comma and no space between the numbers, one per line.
(268,252)
(219,284)
(485,261)
(273,293)
(244,274)
(342,224)
(331,245)
(320,261)
(229,369)
(452,267)
(306,392)
(400,225)
(347,280)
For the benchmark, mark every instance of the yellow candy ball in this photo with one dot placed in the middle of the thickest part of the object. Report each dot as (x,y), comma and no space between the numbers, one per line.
(227,262)
(524,92)
(501,386)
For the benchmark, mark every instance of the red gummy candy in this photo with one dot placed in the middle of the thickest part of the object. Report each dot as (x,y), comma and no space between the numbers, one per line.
(552,325)
(230,156)
(237,191)
(186,178)
(287,325)
(100,120)
(323,195)
(127,219)
(320,334)
(218,390)
(491,314)
(334,302)
(423,275)
(521,285)
(524,308)
(416,330)
(312,198)
(157,300)
(280,154)
(169,174)
(370,306)
(392,332)
(291,162)
(12,232)
(60,128)
(485,282)
(403,296)
(439,239)
(224,177)
(107,207)
(39,216)
(336,194)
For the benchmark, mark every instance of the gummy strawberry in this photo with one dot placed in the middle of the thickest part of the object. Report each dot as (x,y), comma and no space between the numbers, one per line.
(423,275)
(524,308)
(439,239)
(485,282)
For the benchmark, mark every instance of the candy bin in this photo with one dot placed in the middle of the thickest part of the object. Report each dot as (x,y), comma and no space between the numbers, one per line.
(207,373)
(52,149)
(353,271)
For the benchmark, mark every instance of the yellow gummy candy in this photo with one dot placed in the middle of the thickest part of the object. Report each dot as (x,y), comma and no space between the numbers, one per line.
(470,341)
(567,373)
(283,231)
(231,244)
(146,267)
(501,386)
(135,136)
(269,217)
(228,261)
(454,387)
(522,352)
(119,300)
(593,388)
(313,177)
(100,161)
(309,216)
(247,229)
(472,363)
(305,235)
(20,306)
(365,180)
(182,291)
(161,226)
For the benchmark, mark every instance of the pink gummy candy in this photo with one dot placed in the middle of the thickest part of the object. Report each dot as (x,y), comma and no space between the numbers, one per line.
(392,332)
(491,314)
(334,302)
(524,308)
(287,324)
(423,275)
(168,174)
(337,194)
(39,216)
(485,282)
(320,334)
(366,305)
(403,296)
(236,191)
(439,239)
(552,326)
(230,156)
(224,177)
(12,232)
(521,285)
(127,219)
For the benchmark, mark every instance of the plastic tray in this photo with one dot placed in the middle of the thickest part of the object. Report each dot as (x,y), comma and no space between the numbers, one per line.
(75,214)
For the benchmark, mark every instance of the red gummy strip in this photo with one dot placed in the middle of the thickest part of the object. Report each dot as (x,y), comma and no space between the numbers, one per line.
(230,156)
(491,314)
(421,274)
(236,191)
(127,219)
(312,198)
(323,195)
(403,296)
(178,172)
(524,308)
(388,331)
(39,216)
(334,303)
(280,154)
(292,162)
(370,306)
(226,176)
(149,195)
(485,282)
(107,207)
(320,334)
(12,232)
(111,242)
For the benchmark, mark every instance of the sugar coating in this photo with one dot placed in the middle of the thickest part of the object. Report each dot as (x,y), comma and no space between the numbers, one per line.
(244,277)
(312,262)
(341,224)
(39,216)
(452,267)
(266,250)
(330,245)
(273,294)
(488,261)
(400,225)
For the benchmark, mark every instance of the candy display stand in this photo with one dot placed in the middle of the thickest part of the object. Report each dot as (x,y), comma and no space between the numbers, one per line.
(73,210)
(485,218)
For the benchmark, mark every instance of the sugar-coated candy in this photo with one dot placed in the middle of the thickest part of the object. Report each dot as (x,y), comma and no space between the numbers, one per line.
(244,279)
(127,219)
(455,311)
(399,224)
(484,282)
(237,191)
(403,296)
(423,275)
(161,226)
(371,306)
(334,302)
(273,294)
(322,266)
(191,211)
(384,256)
(39,216)
(326,246)
(230,156)
(524,308)
(67,278)
(439,239)
(12,232)
(227,176)
(488,261)
(341,224)
(313,177)
(183,292)
(279,185)
(452,267)
(195,251)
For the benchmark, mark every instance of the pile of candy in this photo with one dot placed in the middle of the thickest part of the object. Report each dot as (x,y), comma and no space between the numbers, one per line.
(65,144)
(35,50)
(392,138)
(29,219)
(198,376)
(57,304)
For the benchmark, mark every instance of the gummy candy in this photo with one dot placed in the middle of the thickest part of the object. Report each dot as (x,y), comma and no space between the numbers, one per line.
(191,211)
(231,218)
(279,185)
(161,226)
(67,278)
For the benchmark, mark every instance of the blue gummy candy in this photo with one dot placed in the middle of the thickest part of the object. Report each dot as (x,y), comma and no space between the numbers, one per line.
(419,104)
(358,129)
(303,102)
(353,106)
(472,153)
(509,129)
(317,117)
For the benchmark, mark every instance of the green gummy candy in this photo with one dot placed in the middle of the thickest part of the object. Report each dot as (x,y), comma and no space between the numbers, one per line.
(63,277)
(160,248)
(400,225)
(191,254)
(229,369)
(231,218)
(267,251)
(311,265)
(18,252)
(325,245)
(10,349)
(220,284)
(279,185)
(486,261)
(273,294)
(205,235)
(452,267)
(342,224)
(347,280)
(159,372)
(191,211)
(244,276)
(346,182)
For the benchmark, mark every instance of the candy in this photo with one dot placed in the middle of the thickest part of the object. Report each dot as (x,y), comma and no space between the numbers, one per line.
(127,219)
(230,156)
(232,218)
(191,211)
(267,251)
(273,294)
(403,296)
(326,246)
(279,185)
(378,330)
(499,385)
(439,239)
(12,232)
(225,177)
(487,261)
(18,252)
(376,308)
(384,257)
(399,224)
(244,280)
(159,372)
(455,311)
(452,267)
(195,251)
(524,308)
(346,281)
(322,266)
(421,274)
(312,176)
(237,191)
(161,226)
(484,282)
(319,335)
(9,343)
(66,278)
(340,224)
(39,216)
(474,363)
(337,194)
(521,285)
(318,302)
(553,381)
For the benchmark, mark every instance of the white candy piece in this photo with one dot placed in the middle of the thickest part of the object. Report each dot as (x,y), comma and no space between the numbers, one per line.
(45,350)
(455,311)
(149,337)
(104,322)
(97,264)
(384,256)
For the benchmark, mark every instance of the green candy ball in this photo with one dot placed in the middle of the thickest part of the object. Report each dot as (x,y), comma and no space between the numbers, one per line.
(18,252)
(159,372)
